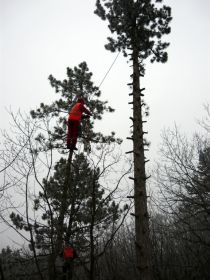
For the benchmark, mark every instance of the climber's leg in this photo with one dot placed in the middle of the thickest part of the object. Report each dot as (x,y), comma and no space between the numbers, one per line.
(72,134)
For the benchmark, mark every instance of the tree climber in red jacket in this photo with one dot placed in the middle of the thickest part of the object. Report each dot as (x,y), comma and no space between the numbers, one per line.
(69,254)
(74,119)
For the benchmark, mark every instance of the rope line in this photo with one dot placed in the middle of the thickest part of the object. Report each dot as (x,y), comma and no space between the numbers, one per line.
(108,70)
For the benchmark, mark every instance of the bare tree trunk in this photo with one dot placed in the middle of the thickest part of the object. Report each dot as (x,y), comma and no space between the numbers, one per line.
(32,243)
(92,248)
(60,228)
(71,219)
(143,254)
(1,271)
(64,202)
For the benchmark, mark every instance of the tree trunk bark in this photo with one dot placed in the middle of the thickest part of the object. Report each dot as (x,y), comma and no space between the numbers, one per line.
(64,203)
(92,247)
(142,242)
(1,271)
(60,227)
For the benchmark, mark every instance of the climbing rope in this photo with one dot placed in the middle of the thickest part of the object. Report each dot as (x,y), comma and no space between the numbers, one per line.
(108,70)
(87,146)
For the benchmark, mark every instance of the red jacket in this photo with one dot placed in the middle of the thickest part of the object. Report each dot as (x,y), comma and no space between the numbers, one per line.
(69,252)
(77,110)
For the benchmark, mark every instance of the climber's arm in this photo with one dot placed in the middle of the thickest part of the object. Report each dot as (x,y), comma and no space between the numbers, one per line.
(85,110)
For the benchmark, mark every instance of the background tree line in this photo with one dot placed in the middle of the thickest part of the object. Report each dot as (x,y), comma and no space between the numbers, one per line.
(179,222)
(84,193)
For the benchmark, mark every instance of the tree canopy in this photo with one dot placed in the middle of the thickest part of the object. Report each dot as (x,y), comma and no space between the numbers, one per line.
(139,24)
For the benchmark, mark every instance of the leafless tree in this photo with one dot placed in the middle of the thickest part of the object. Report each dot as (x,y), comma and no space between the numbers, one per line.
(23,175)
(181,233)
(29,175)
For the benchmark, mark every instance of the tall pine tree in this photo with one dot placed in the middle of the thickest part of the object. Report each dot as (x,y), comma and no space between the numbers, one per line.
(90,214)
(139,26)
(77,84)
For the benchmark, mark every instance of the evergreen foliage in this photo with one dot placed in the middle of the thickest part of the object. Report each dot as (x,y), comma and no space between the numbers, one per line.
(138,27)
(85,193)
(71,204)
(78,84)
(138,24)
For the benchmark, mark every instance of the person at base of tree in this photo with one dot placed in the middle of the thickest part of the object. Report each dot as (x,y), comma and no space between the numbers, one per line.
(69,254)
(74,119)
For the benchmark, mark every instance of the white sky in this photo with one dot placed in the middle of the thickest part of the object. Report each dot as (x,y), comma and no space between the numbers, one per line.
(42,37)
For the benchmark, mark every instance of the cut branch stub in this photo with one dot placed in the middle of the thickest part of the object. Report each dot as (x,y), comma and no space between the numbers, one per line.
(129,152)
(144,132)
(131,178)
(130,196)
(134,215)
(146,178)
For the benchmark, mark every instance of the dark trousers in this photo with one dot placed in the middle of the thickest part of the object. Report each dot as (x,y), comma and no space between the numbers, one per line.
(68,270)
(72,134)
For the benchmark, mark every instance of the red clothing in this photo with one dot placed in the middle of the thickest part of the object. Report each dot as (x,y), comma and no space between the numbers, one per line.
(69,255)
(68,252)
(74,119)
(77,110)
(72,134)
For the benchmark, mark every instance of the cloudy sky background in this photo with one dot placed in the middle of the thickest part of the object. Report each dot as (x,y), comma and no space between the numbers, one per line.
(39,38)
(43,37)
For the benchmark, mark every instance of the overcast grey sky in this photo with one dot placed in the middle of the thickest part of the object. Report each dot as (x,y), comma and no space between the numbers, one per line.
(42,37)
